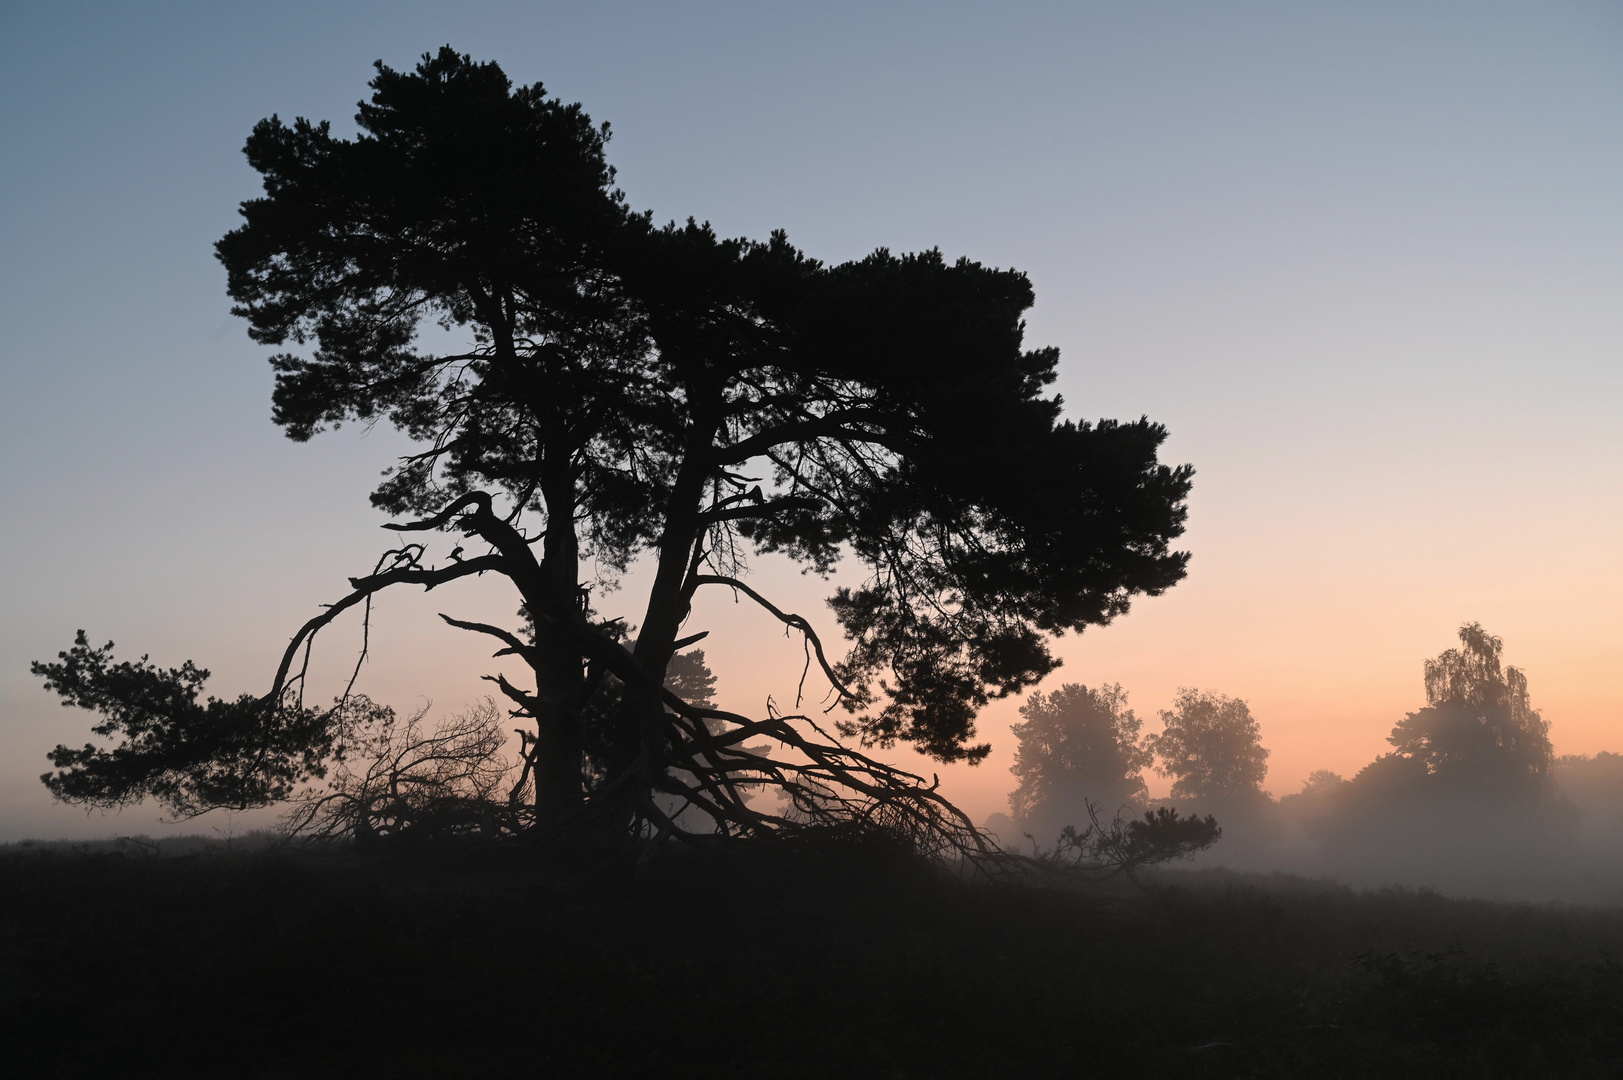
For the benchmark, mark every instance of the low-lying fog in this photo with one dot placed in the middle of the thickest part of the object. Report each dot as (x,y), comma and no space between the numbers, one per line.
(1471,801)
(1565,844)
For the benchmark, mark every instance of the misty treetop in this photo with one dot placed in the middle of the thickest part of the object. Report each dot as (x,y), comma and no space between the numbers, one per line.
(1471,795)
(1477,745)
(1081,760)
(1478,735)
(1322,782)
(1212,748)
(1076,743)
(1080,766)
(629,390)
(1472,777)
(1478,719)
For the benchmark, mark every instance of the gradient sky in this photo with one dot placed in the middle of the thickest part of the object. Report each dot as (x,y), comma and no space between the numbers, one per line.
(1366,264)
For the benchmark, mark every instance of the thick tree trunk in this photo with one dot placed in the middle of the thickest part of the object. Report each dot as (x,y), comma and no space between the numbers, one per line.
(560,674)
(667,604)
(639,730)
(557,770)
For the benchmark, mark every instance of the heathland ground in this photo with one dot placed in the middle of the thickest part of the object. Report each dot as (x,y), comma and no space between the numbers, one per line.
(843,960)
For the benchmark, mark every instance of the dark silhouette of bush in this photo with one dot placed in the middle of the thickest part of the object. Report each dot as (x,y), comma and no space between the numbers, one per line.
(1125,844)
(410,781)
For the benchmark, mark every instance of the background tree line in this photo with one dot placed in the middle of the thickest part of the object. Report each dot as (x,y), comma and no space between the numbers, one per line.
(1081,745)
(1471,786)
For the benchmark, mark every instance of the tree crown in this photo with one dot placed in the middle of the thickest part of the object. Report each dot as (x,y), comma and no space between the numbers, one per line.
(1077,742)
(637,389)
(1478,720)
(1211,746)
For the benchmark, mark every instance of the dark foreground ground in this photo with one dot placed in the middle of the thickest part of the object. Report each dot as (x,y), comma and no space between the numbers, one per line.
(826,964)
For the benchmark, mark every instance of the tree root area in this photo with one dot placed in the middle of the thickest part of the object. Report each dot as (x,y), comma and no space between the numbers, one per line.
(851,960)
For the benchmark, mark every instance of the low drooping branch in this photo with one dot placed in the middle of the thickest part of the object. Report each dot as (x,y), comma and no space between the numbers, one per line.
(365,587)
(515,647)
(797,622)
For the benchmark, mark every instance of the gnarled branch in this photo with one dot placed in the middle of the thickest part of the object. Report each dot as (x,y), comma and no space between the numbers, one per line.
(797,622)
(365,587)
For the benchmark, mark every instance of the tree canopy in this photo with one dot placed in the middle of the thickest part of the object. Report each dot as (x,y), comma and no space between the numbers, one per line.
(1211,747)
(1076,744)
(1471,776)
(1479,724)
(629,391)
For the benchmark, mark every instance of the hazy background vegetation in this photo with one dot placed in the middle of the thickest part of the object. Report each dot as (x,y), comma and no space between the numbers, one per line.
(1471,799)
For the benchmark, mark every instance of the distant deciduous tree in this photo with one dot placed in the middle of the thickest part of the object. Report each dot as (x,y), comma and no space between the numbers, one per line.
(1316,802)
(1479,723)
(1211,747)
(1322,782)
(1468,772)
(1076,744)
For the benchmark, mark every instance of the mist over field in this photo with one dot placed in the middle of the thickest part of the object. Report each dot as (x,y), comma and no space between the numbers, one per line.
(1566,845)
(1471,801)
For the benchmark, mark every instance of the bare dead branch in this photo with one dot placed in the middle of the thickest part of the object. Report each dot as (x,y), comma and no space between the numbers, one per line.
(797,622)
(515,646)
(365,587)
